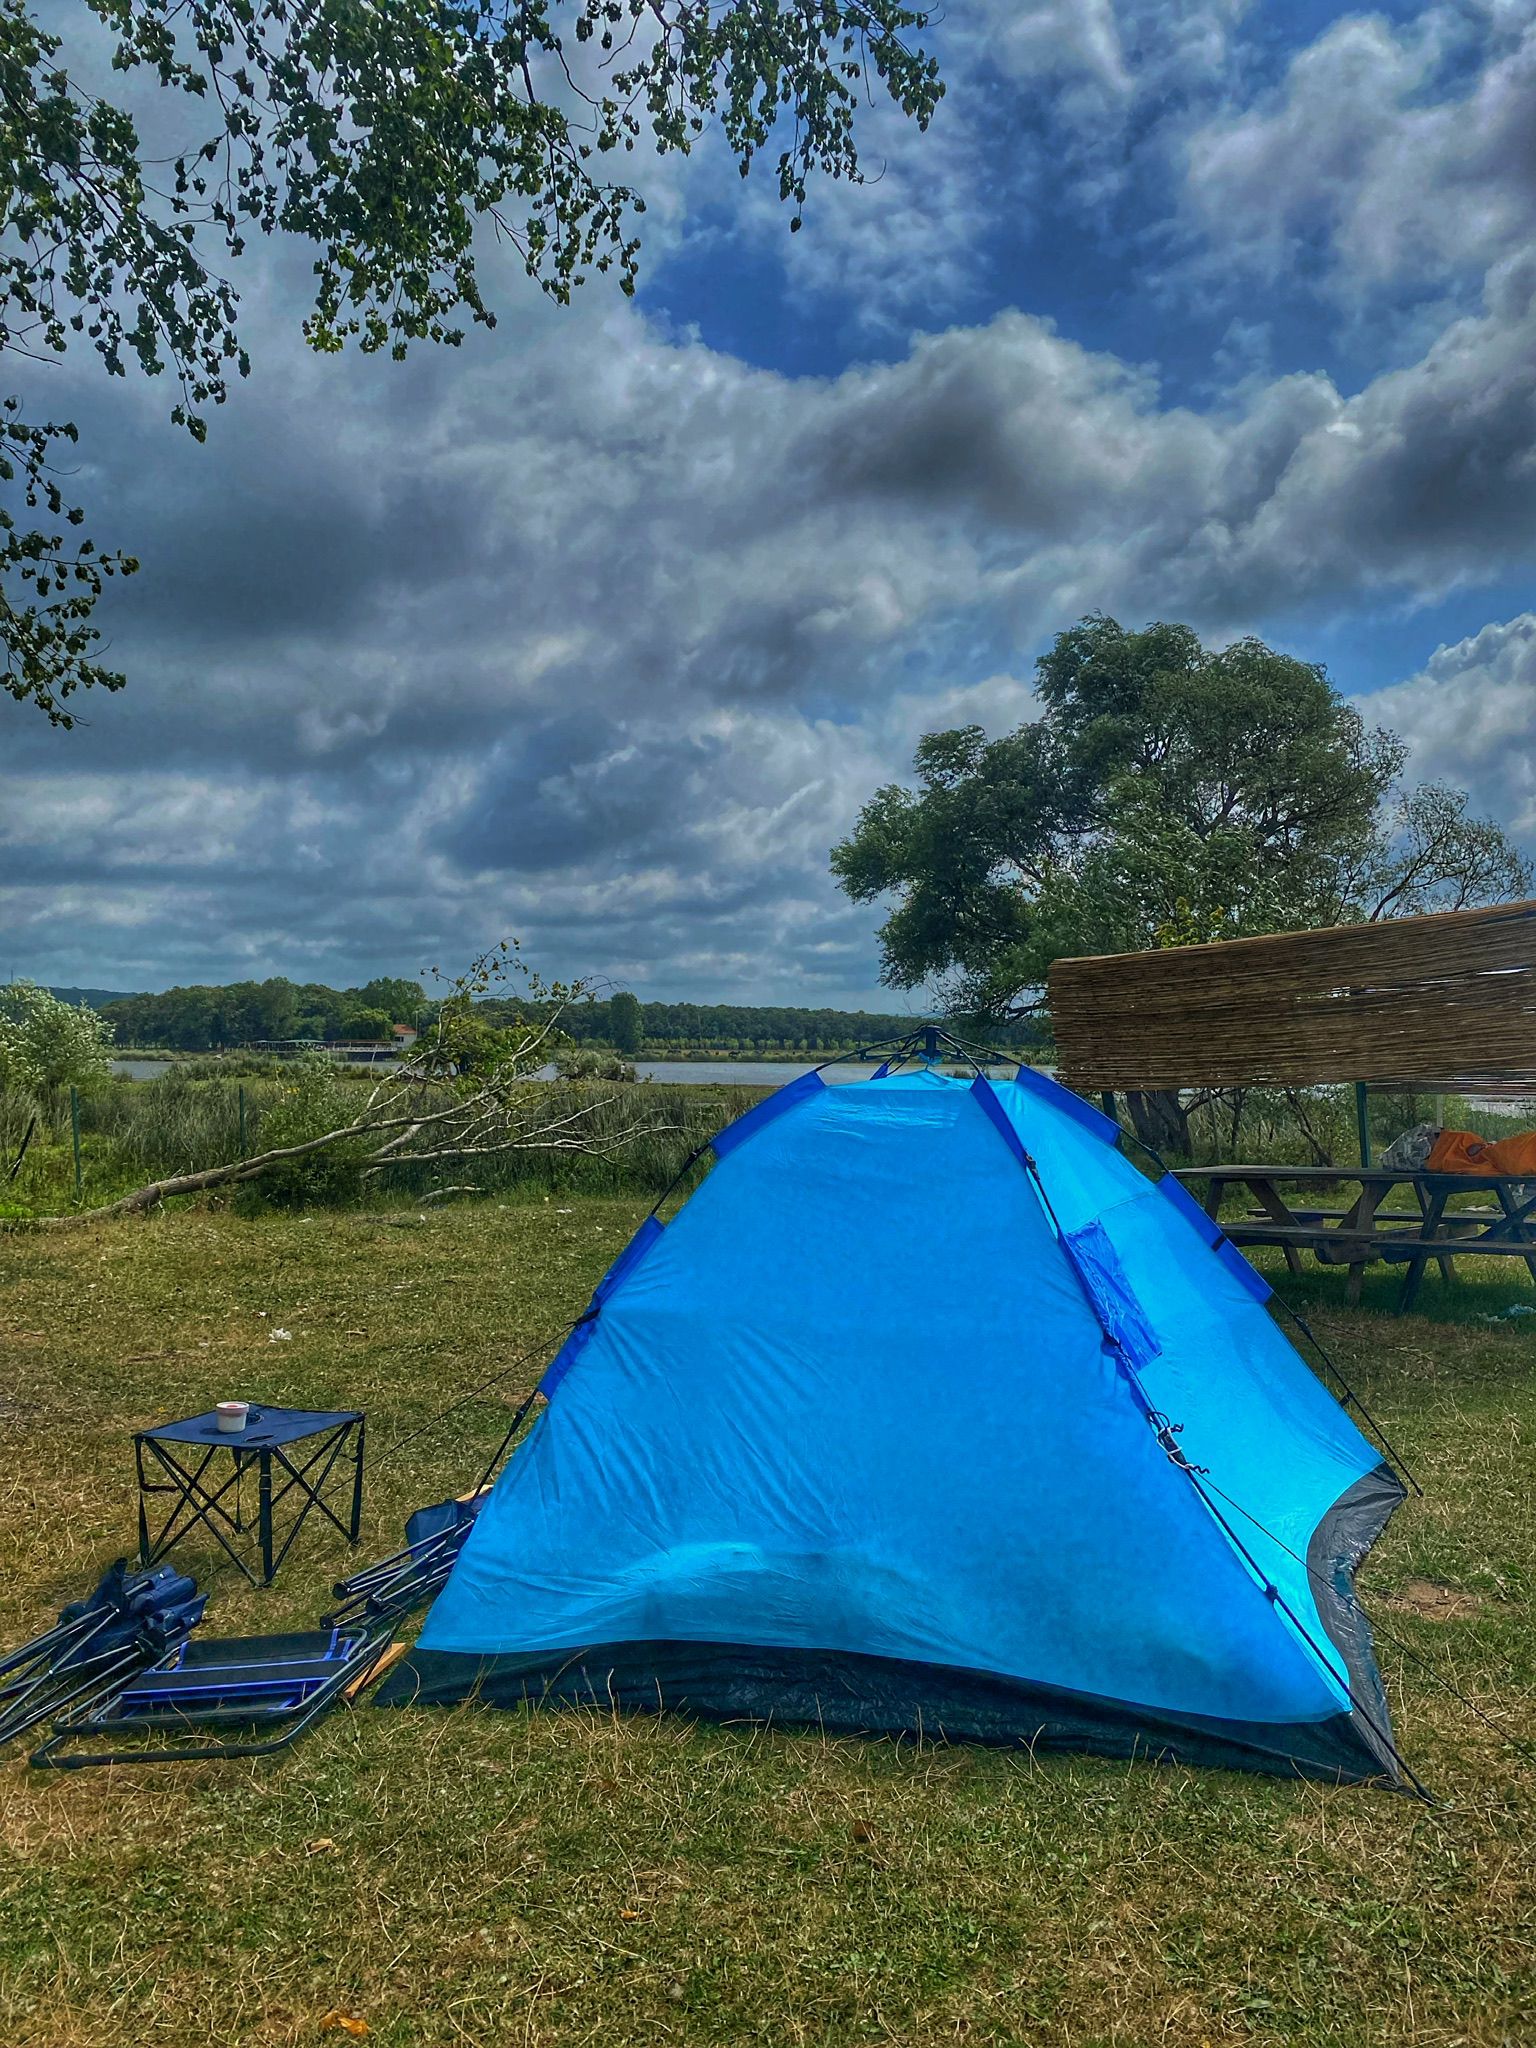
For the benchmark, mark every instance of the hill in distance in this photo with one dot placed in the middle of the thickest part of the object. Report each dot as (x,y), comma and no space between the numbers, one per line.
(94,997)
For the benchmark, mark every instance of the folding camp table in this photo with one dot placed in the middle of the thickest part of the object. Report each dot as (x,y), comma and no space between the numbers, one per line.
(182,1459)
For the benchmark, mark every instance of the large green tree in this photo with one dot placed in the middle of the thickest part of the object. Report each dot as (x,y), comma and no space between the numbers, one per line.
(1168,793)
(387,136)
(368,1027)
(626,1023)
(401,1001)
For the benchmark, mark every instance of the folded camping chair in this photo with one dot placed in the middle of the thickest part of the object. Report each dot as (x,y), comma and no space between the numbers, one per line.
(236,1697)
(131,1620)
(411,1577)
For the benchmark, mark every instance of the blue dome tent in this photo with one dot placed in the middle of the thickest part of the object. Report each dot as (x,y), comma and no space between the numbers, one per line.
(929,1414)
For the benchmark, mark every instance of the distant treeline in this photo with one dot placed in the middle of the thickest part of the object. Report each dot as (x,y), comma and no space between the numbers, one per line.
(210,1019)
(683,1028)
(247,1012)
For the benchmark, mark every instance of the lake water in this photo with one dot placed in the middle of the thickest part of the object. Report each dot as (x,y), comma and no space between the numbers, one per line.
(763,1074)
(735,1073)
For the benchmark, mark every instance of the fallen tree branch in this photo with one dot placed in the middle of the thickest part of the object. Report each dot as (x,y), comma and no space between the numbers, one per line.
(241,1171)
(469,1091)
(157,1191)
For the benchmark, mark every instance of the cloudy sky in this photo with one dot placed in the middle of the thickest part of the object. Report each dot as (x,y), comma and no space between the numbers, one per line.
(600,629)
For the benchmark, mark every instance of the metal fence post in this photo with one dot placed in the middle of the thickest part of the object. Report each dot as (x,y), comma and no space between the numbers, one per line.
(242,1119)
(74,1127)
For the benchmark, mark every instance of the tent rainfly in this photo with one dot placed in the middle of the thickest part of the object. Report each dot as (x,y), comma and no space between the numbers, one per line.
(928,1414)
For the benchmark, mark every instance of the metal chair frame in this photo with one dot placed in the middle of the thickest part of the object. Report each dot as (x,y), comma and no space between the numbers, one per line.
(289,1716)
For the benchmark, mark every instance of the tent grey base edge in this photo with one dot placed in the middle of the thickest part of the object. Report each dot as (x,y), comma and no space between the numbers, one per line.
(844,1693)
(1340,1543)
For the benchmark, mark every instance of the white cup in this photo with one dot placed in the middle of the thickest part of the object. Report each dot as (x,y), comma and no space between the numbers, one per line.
(232,1416)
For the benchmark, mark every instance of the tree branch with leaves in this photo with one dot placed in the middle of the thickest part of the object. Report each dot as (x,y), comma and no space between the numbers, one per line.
(385,136)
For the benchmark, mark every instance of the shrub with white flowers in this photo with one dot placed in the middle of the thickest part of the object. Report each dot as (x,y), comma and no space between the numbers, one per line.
(45,1043)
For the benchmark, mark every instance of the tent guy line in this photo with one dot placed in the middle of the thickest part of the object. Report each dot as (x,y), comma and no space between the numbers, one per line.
(1379,1627)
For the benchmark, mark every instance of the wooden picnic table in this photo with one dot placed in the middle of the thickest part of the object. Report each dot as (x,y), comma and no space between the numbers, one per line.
(1355,1229)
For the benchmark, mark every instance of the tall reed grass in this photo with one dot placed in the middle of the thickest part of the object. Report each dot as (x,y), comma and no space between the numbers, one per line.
(1318,1126)
(136,1131)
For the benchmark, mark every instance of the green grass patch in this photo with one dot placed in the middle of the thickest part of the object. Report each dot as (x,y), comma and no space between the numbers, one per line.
(568,1878)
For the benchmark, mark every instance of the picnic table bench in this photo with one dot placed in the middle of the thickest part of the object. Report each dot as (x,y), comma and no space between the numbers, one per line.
(1354,1231)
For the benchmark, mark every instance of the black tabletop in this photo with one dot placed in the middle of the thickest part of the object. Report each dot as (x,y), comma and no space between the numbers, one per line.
(264,1427)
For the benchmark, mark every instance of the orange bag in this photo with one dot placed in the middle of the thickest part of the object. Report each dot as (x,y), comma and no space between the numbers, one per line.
(1465,1152)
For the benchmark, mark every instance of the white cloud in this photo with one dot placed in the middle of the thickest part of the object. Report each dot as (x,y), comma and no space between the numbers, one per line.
(1469,716)
(1050,39)
(1036,92)
(603,636)
(1381,159)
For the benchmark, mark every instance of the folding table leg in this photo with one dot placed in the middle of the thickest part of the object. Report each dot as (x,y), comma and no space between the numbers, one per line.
(265,1513)
(138,1459)
(312,1489)
(195,1506)
(357,1484)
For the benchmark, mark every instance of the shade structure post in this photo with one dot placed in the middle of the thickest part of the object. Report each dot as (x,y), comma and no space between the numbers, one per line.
(1363,1120)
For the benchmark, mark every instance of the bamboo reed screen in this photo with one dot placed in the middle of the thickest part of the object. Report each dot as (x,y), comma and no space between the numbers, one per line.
(1443,1001)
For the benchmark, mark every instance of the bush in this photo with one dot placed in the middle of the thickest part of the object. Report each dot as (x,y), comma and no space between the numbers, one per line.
(315,1100)
(592,1063)
(48,1044)
(230,1066)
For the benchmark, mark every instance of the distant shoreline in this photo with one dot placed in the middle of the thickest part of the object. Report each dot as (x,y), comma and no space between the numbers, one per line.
(664,1055)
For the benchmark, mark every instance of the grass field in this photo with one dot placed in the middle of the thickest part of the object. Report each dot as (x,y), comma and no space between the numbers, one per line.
(484,1878)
